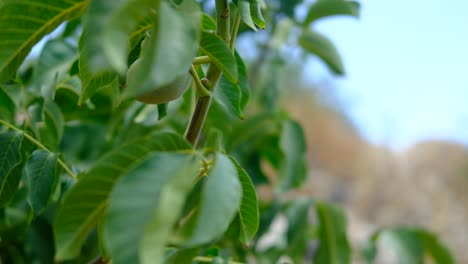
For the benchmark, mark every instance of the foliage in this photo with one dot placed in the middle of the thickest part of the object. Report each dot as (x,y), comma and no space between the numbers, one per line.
(88,173)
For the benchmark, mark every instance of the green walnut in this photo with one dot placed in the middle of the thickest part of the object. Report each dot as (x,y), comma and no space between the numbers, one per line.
(161,94)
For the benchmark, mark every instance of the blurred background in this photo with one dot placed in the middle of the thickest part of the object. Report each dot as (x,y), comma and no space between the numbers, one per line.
(387,141)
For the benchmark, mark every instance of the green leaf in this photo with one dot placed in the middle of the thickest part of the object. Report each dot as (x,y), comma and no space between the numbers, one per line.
(7,106)
(23,23)
(219,203)
(86,202)
(91,83)
(10,164)
(229,95)
(333,246)
(243,6)
(434,247)
(325,8)
(321,46)
(208,23)
(248,211)
(298,223)
(256,13)
(181,256)
(109,24)
(154,192)
(405,244)
(54,122)
(243,83)
(53,65)
(293,167)
(170,49)
(42,172)
(220,54)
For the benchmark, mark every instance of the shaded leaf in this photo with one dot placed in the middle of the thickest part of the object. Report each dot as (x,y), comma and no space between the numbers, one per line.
(321,46)
(85,203)
(10,164)
(333,246)
(155,201)
(325,8)
(219,203)
(229,96)
(243,6)
(220,54)
(54,122)
(293,167)
(7,106)
(53,64)
(23,23)
(243,83)
(42,172)
(208,23)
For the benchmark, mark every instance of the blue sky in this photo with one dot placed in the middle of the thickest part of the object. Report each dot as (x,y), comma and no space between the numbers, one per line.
(407,69)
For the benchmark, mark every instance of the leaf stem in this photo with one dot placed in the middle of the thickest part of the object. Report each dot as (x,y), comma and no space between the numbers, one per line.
(213,75)
(200,87)
(39,144)
(201,60)
(210,260)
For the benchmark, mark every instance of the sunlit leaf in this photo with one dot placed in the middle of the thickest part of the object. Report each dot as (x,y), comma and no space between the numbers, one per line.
(42,172)
(10,164)
(208,23)
(109,24)
(243,6)
(85,203)
(220,54)
(405,243)
(321,46)
(154,192)
(325,8)
(256,13)
(333,243)
(169,51)
(23,23)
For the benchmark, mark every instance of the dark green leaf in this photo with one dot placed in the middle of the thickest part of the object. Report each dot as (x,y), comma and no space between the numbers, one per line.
(155,201)
(325,8)
(321,46)
(243,83)
(10,164)
(181,256)
(23,23)
(219,203)
(86,202)
(54,122)
(298,222)
(435,248)
(42,172)
(7,106)
(53,65)
(91,83)
(333,244)
(248,211)
(293,168)
(169,51)
(109,24)
(220,54)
